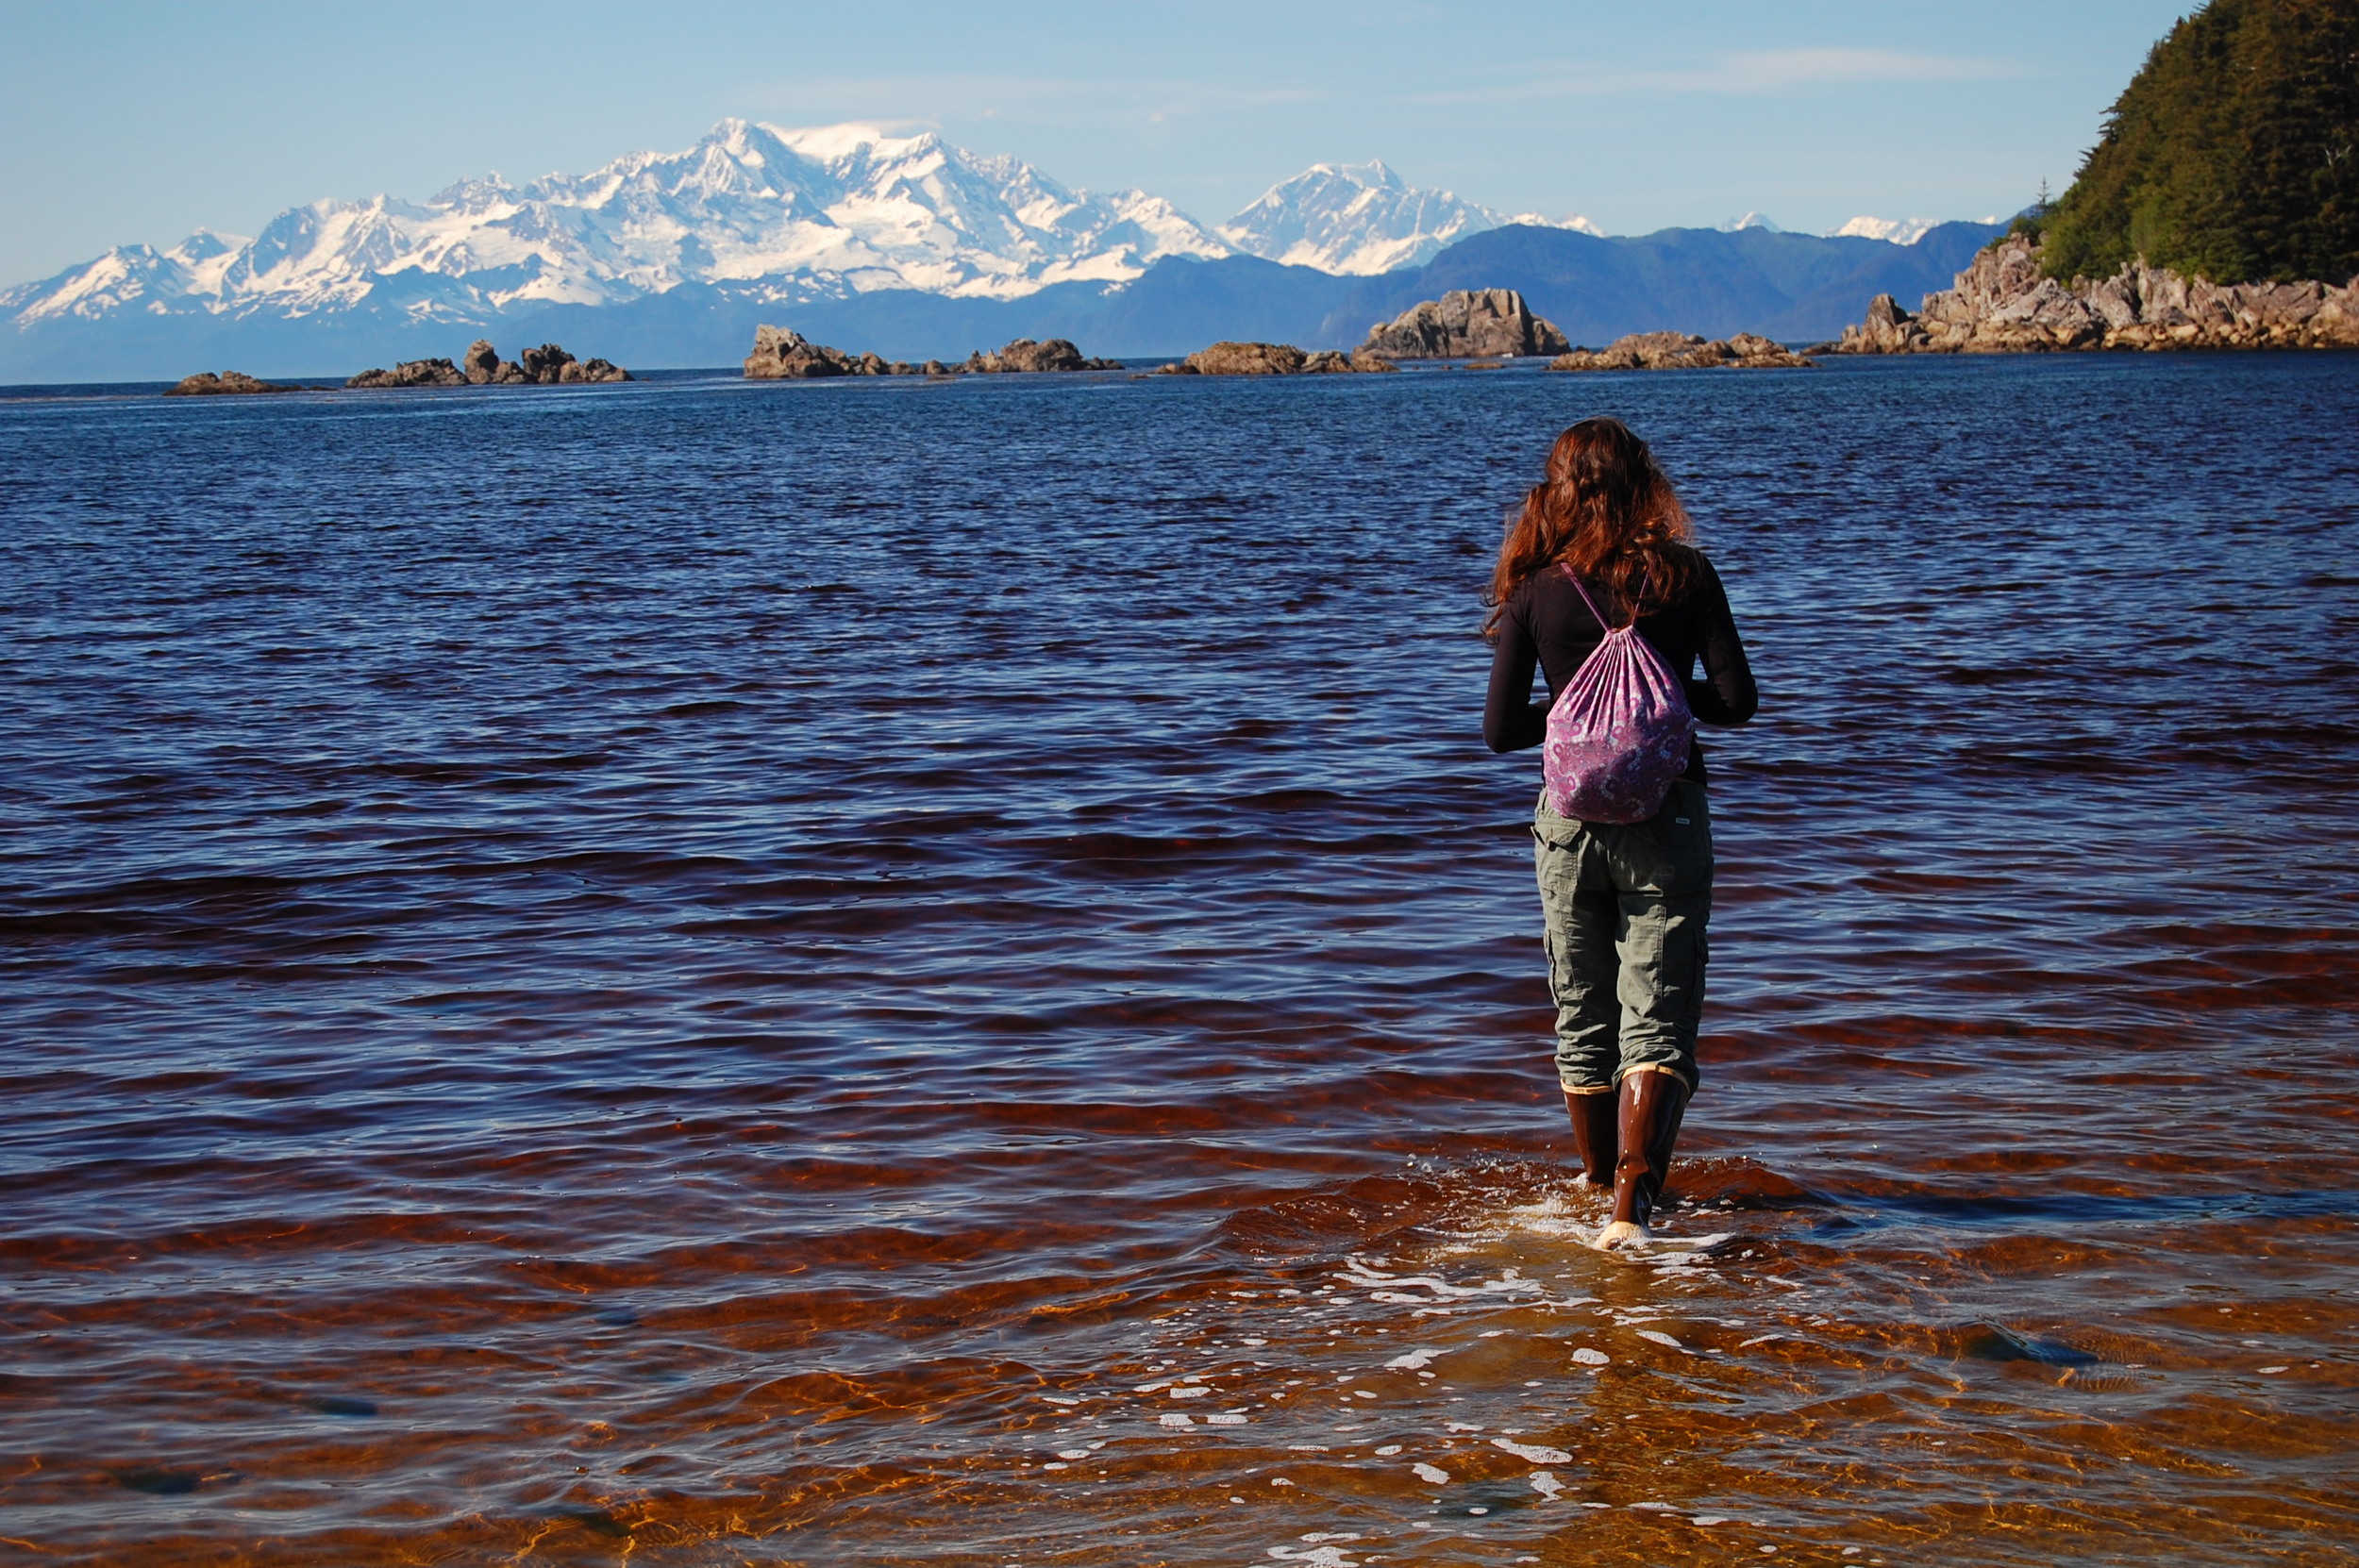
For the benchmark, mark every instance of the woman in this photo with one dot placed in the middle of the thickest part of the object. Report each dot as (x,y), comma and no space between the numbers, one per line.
(1624,907)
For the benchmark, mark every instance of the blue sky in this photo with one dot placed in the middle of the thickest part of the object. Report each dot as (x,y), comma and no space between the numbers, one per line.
(128,122)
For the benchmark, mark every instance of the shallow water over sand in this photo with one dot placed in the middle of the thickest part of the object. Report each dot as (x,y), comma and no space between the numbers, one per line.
(706,973)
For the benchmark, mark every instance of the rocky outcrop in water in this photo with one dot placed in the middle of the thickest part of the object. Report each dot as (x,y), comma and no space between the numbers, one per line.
(1229,359)
(1683,351)
(480,366)
(1024,356)
(1467,324)
(412,373)
(205,384)
(2003,304)
(783,355)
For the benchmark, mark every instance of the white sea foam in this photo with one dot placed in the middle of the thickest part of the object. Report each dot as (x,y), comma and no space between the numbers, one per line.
(1433,1475)
(1533,1452)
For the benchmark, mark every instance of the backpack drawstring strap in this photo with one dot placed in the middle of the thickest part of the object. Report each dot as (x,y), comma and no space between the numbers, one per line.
(1644,583)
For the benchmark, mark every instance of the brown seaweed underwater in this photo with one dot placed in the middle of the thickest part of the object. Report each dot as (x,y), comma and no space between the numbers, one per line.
(702,973)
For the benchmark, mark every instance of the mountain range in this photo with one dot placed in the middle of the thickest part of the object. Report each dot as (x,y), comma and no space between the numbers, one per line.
(908,246)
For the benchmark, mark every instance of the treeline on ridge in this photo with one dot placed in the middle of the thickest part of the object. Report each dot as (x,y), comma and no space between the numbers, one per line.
(2232,155)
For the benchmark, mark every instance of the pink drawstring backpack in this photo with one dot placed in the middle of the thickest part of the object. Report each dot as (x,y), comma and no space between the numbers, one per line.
(1620,732)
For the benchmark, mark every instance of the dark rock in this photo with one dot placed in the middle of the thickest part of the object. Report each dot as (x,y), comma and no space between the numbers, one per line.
(1682,351)
(783,355)
(1327,361)
(1024,356)
(544,366)
(1467,324)
(1248,359)
(412,373)
(205,384)
(1230,358)
(548,365)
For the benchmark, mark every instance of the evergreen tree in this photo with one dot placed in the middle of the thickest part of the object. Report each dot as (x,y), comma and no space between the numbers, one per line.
(2233,154)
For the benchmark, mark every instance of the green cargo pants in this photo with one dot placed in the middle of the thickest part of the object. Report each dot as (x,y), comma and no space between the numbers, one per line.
(1625,909)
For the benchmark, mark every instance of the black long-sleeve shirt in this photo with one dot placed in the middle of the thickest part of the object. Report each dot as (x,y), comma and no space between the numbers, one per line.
(1547,624)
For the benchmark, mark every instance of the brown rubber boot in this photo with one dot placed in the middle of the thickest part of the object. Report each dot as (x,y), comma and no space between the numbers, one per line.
(1651,1106)
(1595,1133)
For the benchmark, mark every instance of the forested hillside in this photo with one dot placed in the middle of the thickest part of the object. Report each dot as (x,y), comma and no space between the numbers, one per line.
(2232,155)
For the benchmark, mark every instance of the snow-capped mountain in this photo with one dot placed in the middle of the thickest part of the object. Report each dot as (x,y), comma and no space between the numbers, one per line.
(798,214)
(761,212)
(1750,220)
(1359,218)
(1900,231)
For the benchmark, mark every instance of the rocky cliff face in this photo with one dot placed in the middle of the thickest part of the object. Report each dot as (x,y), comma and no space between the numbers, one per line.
(1465,323)
(1682,351)
(2002,305)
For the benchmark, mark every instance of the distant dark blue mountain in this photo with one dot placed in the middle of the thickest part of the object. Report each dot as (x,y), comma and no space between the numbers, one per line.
(1791,287)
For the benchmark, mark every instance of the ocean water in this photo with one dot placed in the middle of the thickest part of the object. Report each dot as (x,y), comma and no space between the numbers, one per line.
(916,973)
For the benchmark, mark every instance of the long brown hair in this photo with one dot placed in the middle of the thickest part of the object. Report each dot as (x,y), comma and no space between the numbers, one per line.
(1607,512)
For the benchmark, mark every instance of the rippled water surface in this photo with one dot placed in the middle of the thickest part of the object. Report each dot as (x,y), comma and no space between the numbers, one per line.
(706,973)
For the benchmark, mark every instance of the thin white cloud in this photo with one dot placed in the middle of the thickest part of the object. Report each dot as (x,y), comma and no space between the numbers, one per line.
(1780,67)
(1749,70)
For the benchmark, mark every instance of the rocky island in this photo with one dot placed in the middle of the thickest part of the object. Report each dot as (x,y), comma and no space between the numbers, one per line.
(783,355)
(1232,358)
(1683,351)
(229,382)
(545,366)
(1465,323)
